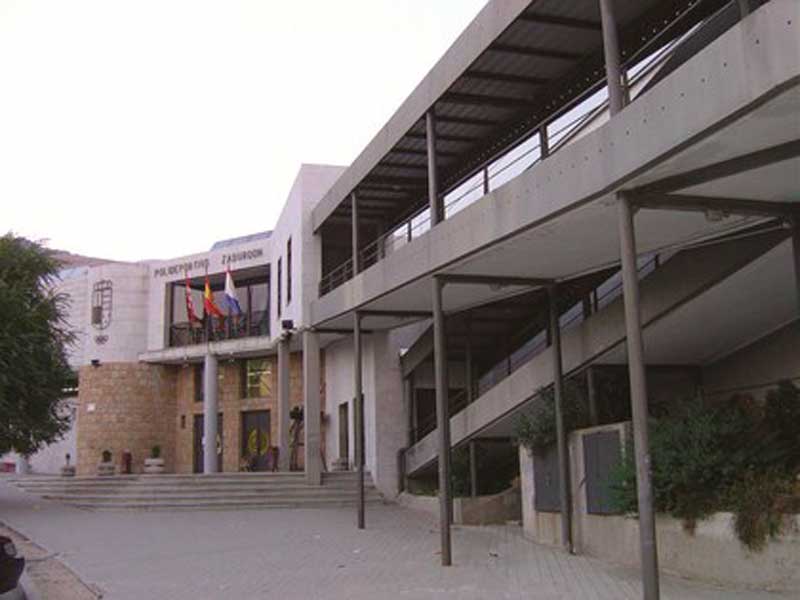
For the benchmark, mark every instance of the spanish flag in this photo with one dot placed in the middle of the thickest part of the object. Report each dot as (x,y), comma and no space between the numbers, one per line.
(208,302)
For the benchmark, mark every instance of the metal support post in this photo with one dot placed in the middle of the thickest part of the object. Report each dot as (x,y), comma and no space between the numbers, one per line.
(442,420)
(485,180)
(638,391)
(312,427)
(284,395)
(591,392)
(473,470)
(359,415)
(561,434)
(468,367)
(744,8)
(796,254)
(434,201)
(616,96)
(544,142)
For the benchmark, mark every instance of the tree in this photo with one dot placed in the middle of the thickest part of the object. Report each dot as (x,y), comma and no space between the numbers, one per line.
(34,337)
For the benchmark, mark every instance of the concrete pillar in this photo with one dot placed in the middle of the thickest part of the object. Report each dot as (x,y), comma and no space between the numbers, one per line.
(284,391)
(561,434)
(312,426)
(358,413)
(434,201)
(638,387)
(616,96)
(442,420)
(210,411)
(23,466)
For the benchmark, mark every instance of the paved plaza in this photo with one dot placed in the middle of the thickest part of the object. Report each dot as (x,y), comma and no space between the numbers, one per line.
(308,554)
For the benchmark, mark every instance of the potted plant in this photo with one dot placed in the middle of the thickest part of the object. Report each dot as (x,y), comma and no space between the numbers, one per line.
(106,466)
(155,464)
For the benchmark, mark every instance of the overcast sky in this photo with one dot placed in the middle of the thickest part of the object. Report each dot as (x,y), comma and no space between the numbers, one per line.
(151,128)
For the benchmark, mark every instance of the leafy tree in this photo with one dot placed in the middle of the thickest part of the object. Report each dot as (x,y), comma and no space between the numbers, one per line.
(33,339)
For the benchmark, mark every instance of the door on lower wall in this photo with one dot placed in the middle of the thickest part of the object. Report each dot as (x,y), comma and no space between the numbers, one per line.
(199,424)
(255,440)
(344,431)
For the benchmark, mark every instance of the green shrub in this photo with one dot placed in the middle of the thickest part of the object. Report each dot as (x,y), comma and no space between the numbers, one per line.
(740,456)
(536,428)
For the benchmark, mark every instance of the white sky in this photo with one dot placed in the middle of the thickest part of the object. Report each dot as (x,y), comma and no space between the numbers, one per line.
(152,128)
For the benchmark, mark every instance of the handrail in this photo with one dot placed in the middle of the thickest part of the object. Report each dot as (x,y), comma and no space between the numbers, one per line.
(418,222)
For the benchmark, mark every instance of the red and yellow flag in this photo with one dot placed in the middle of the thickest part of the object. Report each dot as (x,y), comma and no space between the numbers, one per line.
(208,302)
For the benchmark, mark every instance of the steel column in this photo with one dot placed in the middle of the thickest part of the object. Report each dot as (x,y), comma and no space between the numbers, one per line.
(638,391)
(591,392)
(796,254)
(358,413)
(433,170)
(616,95)
(442,419)
(544,142)
(210,411)
(468,367)
(485,180)
(744,8)
(354,211)
(473,470)
(561,434)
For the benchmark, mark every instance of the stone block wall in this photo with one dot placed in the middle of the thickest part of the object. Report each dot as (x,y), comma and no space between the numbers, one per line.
(125,406)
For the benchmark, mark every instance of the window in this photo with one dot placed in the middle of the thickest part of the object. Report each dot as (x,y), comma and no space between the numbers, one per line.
(288,271)
(279,286)
(257,378)
(199,382)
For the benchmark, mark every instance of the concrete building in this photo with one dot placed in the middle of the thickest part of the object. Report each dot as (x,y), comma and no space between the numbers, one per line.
(576,190)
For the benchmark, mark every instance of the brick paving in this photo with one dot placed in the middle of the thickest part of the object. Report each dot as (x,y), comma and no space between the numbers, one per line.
(309,554)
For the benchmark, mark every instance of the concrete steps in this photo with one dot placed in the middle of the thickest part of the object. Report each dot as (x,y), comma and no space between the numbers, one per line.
(199,492)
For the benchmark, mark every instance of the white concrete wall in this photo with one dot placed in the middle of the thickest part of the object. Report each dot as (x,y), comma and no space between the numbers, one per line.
(74,284)
(712,553)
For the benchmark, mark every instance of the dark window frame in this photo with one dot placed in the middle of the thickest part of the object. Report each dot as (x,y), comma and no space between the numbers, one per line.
(278,287)
(288,271)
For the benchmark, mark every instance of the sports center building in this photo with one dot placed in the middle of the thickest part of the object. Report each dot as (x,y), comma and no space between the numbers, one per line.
(577,191)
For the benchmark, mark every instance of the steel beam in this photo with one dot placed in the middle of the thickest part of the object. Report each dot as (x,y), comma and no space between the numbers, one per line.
(434,200)
(471,121)
(485,100)
(401,314)
(694,203)
(358,413)
(442,420)
(569,22)
(443,137)
(564,483)
(504,77)
(536,52)
(501,280)
(638,392)
(727,168)
(616,96)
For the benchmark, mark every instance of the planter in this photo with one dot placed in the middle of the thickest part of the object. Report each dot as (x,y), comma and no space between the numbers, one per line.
(106,469)
(68,471)
(153,466)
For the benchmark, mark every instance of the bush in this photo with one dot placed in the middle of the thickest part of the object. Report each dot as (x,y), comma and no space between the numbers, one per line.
(536,429)
(739,456)
(155,452)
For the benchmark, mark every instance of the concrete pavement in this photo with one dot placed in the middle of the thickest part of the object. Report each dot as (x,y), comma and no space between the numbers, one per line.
(306,554)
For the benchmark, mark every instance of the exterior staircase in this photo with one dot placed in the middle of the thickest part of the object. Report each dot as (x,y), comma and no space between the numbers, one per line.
(199,492)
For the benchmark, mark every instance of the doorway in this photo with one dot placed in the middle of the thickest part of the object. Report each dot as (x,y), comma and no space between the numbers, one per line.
(256,440)
(344,432)
(199,424)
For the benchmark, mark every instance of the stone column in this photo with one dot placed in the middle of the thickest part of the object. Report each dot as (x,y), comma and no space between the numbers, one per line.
(284,452)
(311,407)
(210,411)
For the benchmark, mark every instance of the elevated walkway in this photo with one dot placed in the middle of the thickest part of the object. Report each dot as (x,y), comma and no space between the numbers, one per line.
(680,297)
(198,492)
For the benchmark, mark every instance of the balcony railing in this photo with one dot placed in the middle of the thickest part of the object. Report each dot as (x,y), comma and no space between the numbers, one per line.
(255,324)
(516,160)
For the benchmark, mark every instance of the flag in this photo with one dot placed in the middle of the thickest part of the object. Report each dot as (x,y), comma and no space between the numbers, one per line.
(230,294)
(208,302)
(193,318)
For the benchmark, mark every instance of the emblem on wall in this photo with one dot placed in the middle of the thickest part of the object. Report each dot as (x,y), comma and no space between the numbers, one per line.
(101,304)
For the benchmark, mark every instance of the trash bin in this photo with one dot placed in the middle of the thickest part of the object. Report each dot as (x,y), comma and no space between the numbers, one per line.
(127,462)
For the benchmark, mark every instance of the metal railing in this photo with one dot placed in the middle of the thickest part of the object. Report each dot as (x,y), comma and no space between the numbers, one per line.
(255,324)
(600,297)
(418,222)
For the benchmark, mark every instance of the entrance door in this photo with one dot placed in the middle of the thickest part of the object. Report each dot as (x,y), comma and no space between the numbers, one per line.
(255,440)
(199,424)
(344,431)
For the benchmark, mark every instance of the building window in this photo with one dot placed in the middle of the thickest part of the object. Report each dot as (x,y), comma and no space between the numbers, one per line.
(199,382)
(288,271)
(279,285)
(257,378)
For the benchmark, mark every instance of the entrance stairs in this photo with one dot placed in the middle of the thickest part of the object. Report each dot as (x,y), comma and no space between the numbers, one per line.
(199,492)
